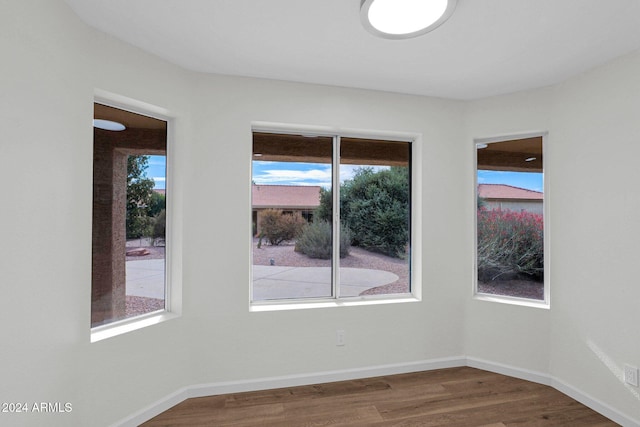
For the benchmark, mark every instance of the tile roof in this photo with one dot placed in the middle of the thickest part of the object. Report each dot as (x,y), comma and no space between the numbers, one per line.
(285,196)
(502,191)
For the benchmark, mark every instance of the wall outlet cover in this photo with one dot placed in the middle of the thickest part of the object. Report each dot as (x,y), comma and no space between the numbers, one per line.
(631,375)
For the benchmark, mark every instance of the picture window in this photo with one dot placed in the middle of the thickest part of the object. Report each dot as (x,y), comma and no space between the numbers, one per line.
(129,216)
(331,217)
(510,231)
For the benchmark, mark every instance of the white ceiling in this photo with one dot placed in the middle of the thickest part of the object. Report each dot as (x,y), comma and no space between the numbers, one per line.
(488,47)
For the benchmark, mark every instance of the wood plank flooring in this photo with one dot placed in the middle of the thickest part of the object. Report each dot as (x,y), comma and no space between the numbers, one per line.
(460,397)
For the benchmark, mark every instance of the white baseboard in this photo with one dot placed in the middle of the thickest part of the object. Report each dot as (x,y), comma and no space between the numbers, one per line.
(561,386)
(598,406)
(510,371)
(213,389)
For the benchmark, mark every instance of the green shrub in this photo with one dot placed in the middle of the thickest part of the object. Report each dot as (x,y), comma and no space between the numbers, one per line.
(375,207)
(159,224)
(278,227)
(510,243)
(139,226)
(315,240)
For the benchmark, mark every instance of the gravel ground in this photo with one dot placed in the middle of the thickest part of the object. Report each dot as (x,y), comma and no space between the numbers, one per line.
(136,306)
(514,288)
(284,255)
(155,252)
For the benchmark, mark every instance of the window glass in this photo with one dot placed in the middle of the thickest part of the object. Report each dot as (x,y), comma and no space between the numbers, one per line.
(129,216)
(295,254)
(292,238)
(375,210)
(510,219)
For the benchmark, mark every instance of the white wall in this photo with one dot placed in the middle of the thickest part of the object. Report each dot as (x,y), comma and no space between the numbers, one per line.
(52,63)
(506,334)
(596,292)
(591,157)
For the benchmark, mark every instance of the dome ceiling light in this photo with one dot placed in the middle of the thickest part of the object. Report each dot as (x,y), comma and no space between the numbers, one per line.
(403,19)
(108,125)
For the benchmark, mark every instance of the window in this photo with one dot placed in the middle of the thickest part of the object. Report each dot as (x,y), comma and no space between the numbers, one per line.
(129,194)
(510,235)
(331,217)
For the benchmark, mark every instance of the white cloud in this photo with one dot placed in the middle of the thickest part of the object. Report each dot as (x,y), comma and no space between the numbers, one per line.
(348,171)
(281,176)
(321,177)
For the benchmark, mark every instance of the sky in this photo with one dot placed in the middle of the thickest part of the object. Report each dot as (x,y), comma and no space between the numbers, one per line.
(291,173)
(529,180)
(157,171)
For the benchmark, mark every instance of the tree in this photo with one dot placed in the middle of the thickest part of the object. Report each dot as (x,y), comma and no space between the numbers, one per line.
(324,211)
(139,193)
(157,204)
(375,208)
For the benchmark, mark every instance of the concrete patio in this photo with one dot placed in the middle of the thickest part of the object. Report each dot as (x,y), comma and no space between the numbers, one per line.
(145,278)
(281,282)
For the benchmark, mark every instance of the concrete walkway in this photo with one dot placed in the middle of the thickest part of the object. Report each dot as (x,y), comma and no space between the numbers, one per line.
(145,278)
(276,282)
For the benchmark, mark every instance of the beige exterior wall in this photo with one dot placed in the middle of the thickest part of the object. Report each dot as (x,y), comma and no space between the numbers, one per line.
(536,207)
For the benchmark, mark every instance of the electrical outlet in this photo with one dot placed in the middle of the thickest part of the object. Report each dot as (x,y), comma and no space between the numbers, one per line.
(340,337)
(631,375)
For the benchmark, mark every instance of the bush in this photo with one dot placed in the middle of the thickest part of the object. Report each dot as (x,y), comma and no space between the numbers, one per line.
(157,204)
(315,240)
(159,225)
(278,227)
(510,243)
(138,226)
(375,206)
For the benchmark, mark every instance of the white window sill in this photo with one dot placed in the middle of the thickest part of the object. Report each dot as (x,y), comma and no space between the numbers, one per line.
(103,332)
(304,305)
(512,300)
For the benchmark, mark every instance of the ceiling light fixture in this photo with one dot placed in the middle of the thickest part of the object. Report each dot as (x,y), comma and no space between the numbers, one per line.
(403,19)
(108,125)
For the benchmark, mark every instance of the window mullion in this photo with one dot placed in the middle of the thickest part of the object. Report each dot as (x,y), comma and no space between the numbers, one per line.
(335,182)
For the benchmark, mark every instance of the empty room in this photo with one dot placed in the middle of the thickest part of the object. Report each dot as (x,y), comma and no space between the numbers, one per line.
(296,212)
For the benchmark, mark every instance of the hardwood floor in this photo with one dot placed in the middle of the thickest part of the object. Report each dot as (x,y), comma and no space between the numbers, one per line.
(458,397)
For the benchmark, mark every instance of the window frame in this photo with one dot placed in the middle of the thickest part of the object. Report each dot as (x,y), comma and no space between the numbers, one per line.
(545,303)
(172,283)
(415,226)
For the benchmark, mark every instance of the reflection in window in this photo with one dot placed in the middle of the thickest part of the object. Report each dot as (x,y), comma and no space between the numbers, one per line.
(510,219)
(128,239)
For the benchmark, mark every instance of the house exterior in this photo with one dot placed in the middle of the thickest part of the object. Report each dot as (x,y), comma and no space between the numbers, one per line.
(507,197)
(288,198)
